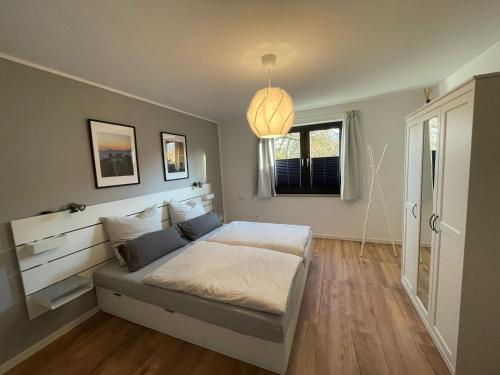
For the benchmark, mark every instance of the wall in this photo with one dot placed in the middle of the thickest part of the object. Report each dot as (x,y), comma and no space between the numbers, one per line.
(486,62)
(45,163)
(382,122)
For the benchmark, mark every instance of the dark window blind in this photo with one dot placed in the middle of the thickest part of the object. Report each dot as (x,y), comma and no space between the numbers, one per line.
(288,173)
(315,171)
(325,172)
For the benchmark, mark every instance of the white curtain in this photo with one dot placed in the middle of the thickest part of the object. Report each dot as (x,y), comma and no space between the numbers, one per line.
(266,181)
(350,157)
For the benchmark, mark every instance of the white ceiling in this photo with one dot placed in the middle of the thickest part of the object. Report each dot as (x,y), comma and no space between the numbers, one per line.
(203,56)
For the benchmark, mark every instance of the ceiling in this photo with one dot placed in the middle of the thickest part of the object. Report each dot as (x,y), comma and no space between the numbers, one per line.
(203,56)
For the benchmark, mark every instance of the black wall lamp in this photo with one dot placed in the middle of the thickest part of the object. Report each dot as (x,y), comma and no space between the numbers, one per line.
(75,207)
(72,207)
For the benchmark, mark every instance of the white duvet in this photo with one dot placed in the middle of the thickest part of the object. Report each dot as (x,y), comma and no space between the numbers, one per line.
(258,279)
(286,238)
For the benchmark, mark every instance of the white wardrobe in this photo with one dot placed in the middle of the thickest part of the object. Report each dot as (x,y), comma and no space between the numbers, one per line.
(451,226)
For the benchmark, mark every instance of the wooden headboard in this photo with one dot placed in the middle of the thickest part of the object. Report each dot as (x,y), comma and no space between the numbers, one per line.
(59,251)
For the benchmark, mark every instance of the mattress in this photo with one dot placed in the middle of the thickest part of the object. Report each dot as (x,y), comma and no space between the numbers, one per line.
(263,325)
(258,279)
(284,238)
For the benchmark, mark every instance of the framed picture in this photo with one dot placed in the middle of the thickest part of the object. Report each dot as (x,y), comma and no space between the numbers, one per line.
(175,160)
(114,153)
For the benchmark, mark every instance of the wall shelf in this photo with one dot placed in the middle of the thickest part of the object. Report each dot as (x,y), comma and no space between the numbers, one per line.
(62,292)
(46,244)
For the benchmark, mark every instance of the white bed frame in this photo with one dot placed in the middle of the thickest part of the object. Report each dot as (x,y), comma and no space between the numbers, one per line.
(56,247)
(269,355)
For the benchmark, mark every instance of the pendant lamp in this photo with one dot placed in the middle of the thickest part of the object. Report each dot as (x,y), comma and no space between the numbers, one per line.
(270,113)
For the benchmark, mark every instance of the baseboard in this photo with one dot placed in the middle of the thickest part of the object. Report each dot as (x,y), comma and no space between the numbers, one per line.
(4,367)
(353,238)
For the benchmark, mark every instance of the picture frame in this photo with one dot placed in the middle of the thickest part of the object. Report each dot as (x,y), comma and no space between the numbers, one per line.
(174,156)
(114,154)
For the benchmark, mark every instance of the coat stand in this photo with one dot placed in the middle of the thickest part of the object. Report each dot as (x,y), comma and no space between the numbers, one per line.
(375,179)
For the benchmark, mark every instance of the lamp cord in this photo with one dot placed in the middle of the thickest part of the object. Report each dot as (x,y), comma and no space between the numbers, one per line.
(269,77)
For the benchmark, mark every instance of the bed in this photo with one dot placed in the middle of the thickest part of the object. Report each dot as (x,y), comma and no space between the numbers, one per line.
(284,238)
(63,255)
(260,338)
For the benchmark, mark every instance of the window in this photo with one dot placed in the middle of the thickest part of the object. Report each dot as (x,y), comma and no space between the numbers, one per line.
(307,160)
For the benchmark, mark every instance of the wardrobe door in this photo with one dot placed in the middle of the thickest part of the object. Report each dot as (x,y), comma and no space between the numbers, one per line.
(430,158)
(452,185)
(412,205)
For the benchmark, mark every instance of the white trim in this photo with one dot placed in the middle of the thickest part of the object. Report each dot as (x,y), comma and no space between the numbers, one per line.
(4,367)
(353,238)
(95,84)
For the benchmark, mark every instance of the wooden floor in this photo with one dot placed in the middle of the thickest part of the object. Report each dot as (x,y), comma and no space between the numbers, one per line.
(355,319)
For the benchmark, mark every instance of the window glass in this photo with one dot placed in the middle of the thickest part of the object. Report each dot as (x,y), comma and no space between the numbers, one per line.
(307,160)
(324,143)
(288,167)
(287,147)
(324,147)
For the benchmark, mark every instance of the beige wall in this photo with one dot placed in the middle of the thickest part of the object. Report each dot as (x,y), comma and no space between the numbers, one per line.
(45,163)
(486,62)
(382,122)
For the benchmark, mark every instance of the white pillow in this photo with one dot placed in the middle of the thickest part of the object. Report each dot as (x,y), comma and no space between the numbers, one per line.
(124,228)
(180,211)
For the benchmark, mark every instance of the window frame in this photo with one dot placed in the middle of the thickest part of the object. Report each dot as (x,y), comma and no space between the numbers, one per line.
(305,161)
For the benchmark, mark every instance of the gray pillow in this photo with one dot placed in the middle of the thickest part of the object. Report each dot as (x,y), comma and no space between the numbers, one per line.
(147,248)
(199,226)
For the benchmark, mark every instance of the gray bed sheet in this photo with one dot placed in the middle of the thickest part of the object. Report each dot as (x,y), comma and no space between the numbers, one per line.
(260,324)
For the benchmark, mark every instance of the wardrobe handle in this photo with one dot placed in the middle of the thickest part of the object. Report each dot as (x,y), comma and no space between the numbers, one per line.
(413,211)
(434,224)
(430,221)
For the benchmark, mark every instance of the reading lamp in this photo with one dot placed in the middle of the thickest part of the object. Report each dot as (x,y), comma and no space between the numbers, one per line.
(75,207)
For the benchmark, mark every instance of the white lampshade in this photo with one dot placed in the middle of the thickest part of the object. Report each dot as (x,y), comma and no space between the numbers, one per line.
(270,113)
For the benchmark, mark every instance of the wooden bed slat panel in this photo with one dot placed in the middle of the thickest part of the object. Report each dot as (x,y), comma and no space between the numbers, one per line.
(43,226)
(78,240)
(86,245)
(49,273)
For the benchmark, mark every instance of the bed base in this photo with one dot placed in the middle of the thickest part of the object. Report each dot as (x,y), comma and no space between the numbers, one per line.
(270,355)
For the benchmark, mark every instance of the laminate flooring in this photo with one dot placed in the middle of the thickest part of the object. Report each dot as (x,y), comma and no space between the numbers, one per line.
(355,319)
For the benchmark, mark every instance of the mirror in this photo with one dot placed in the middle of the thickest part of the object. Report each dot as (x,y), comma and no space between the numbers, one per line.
(429,160)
